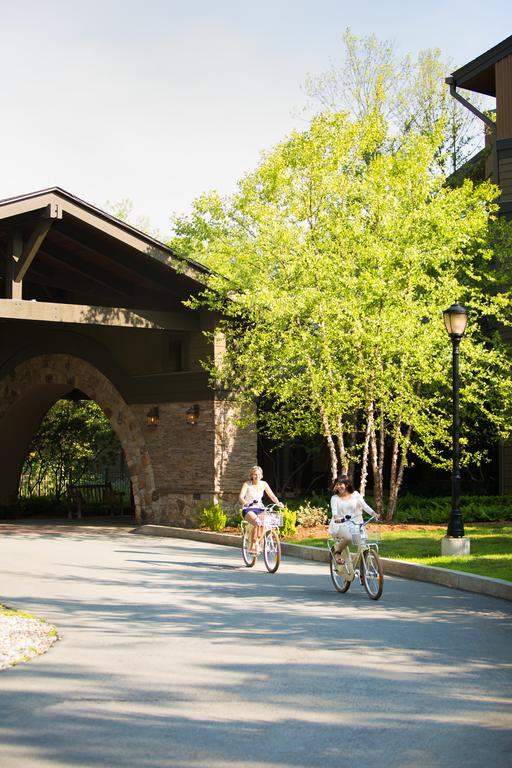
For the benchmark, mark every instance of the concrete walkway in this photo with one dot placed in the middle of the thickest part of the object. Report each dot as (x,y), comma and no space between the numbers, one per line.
(174,654)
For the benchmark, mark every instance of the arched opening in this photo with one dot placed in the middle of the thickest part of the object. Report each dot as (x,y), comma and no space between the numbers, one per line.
(29,391)
(75,465)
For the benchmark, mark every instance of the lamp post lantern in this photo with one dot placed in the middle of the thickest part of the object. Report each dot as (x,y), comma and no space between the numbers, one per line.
(455,319)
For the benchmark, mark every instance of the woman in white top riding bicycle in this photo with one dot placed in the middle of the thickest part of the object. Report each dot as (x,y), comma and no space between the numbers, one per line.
(347,507)
(251,498)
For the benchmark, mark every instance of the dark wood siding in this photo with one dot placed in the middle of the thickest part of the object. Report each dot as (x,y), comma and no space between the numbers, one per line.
(506,450)
(504,98)
(505,169)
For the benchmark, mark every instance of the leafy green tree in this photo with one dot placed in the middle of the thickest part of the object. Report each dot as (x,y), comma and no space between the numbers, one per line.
(124,211)
(332,265)
(71,436)
(411,95)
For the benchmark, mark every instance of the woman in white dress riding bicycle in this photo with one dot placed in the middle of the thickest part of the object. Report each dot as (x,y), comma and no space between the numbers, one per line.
(347,507)
(251,498)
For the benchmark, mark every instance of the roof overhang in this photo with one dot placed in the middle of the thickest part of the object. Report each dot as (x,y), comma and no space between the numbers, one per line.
(479,75)
(66,242)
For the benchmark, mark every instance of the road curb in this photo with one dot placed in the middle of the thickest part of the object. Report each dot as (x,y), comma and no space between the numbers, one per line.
(445,577)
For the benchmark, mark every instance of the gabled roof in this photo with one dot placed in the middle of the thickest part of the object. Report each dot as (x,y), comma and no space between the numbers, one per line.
(478,75)
(92,250)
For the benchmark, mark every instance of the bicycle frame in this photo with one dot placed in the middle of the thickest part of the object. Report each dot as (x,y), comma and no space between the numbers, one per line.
(366,565)
(269,537)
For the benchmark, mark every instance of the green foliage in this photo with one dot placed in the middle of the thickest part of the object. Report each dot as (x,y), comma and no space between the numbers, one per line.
(289,522)
(42,506)
(235,520)
(70,437)
(35,506)
(437,510)
(212,518)
(411,95)
(430,510)
(332,265)
(309,516)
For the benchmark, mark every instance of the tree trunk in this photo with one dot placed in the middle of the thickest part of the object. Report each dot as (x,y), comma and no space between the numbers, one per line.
(366,449)
(342,449)
(377,470)
(332,449)
(394,491)
(351,463)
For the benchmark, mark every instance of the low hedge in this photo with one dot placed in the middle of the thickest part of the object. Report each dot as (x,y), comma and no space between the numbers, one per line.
(475,509)
(435,509)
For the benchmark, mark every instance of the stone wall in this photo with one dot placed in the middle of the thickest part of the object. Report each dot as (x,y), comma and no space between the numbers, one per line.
(174,466)
(194,464)
(34,386)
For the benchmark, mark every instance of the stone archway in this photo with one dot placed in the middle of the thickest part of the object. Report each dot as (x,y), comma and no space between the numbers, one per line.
(33,386)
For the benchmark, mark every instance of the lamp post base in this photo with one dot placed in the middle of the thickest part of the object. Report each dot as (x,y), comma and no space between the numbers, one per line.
(452,547)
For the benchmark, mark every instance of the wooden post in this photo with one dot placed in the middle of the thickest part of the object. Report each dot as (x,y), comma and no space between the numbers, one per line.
(14,290)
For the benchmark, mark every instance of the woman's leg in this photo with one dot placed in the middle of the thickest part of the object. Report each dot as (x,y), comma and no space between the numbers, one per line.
(342,552)
(256,530)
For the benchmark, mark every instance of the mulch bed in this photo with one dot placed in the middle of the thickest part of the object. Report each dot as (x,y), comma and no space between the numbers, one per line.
(320,531)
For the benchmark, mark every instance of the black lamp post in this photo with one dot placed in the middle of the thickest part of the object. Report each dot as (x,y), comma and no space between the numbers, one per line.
(455,319)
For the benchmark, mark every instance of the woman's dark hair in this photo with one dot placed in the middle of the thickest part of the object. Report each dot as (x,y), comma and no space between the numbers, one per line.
(346,482)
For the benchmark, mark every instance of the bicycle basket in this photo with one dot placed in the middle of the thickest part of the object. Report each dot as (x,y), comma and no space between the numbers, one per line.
(373,533)
(360,536)
(273,519)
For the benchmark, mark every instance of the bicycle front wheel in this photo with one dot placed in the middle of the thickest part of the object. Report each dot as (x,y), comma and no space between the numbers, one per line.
(271,551)
(372,573)
(341,584)
(249,557)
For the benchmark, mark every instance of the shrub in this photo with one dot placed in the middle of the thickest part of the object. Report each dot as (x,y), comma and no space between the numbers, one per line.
(42,506)
(475,509)
(319,500)
(289,522)
(10,510)
(235,519)
(212,518)
(309,516)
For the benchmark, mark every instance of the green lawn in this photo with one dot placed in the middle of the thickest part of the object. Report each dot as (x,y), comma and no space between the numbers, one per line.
(491,548)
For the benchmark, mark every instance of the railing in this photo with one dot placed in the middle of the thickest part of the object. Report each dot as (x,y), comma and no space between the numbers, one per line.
(47,485)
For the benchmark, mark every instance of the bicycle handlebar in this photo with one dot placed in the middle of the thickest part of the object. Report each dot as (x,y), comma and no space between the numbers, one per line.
(375,516)
(267,507)
(350,519)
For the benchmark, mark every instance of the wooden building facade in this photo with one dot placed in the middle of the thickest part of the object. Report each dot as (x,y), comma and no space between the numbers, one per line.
(491,74)
(89,304)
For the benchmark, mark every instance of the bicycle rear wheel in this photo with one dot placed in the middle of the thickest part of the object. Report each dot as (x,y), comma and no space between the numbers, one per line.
(249,557)
(272,551)
(341,584)
(372,573)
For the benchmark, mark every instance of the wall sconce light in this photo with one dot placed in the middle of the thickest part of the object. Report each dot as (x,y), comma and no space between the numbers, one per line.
(192,414)
(152,417)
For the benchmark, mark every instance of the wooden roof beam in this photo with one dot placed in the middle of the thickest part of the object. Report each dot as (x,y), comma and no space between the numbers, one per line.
(53,211)
(81,314)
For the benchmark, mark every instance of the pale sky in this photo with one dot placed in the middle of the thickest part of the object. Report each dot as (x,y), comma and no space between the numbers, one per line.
(161,100)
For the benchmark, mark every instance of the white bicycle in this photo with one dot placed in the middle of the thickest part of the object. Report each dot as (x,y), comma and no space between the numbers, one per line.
(367,566)
(271,549)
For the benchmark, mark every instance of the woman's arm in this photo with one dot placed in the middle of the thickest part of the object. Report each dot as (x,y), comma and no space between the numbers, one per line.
(241,498)
(270,493)
(362,503)
(334,508)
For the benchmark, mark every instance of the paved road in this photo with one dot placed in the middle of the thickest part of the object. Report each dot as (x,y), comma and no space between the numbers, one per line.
(173,654)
